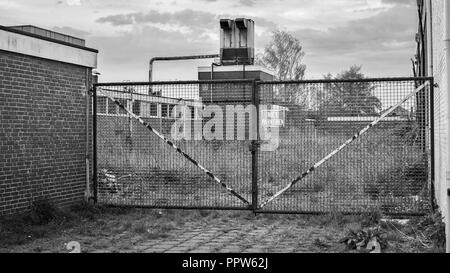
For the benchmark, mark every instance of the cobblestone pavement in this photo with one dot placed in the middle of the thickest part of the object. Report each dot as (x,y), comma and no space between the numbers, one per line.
(195,232)
(243,237)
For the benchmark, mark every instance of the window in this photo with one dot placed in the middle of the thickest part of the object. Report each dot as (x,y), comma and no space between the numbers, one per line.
(101,105)
(164,110)
(149,109)
(106,106)
(120,110)
(112,108)
(153,109)
(137,107)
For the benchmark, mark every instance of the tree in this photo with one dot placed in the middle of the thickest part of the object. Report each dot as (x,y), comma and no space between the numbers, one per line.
(350,98)
(284,55)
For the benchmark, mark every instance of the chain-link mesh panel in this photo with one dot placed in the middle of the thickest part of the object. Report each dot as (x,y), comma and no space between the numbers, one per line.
(385,169)
(137,168)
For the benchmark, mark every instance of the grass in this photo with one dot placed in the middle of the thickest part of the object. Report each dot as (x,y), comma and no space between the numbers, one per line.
(100,228)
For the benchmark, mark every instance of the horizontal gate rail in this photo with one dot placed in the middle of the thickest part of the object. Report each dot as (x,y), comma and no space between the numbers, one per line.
(396,79)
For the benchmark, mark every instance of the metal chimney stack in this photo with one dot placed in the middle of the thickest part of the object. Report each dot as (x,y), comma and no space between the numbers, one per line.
(237,41)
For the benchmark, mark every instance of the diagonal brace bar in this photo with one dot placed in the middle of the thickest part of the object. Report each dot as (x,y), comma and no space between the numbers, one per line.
(337,150)
(171,144)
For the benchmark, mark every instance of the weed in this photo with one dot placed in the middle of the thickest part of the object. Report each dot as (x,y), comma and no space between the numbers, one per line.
(433,229)
(42,212)
(371,218)
(360,239)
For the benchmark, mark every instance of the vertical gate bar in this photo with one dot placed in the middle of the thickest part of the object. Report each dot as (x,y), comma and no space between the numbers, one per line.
(255,148)
(94,143)
(432,163)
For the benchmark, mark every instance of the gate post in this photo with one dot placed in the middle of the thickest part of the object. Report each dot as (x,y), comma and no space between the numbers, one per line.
(94,143)
(255,147)
(432,144)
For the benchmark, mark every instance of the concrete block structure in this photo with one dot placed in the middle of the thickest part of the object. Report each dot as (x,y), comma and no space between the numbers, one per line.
(45,147)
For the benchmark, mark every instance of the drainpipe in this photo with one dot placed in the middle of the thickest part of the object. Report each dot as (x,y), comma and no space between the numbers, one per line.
(447,90)
(176,58)
(93,75)
(87,192)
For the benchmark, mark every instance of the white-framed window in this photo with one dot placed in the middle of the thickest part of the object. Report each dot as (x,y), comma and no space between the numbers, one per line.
(107,107)
(164,110)
(149,109)
(137,106)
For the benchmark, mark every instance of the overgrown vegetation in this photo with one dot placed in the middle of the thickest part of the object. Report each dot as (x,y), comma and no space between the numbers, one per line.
(44,219)
(421,234)
(119,229)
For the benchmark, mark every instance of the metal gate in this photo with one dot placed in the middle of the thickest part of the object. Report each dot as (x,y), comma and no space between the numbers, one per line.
(241,144)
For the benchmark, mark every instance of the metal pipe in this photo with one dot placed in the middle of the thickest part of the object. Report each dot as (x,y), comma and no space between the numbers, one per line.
(87,192)
(177,58)
(212,78)
(94,144)
(430,25)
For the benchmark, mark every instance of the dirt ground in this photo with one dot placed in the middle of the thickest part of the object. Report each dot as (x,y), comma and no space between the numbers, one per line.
(111,230)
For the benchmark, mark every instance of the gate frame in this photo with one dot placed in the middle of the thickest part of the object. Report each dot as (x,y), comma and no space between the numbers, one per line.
(255,145)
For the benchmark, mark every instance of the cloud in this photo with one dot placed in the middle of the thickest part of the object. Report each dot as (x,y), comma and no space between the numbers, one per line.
(248,3)
(9,4)
(384,41)
(374,33)
(73,2)
(126,56)
(400,2)
(117,20)
(186,17)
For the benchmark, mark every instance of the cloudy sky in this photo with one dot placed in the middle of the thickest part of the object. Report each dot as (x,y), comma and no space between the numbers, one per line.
(377,34)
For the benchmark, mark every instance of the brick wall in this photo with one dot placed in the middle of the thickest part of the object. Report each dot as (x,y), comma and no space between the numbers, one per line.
(42,131)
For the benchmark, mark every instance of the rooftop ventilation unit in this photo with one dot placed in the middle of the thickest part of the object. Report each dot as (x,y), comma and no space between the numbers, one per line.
(237,41)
